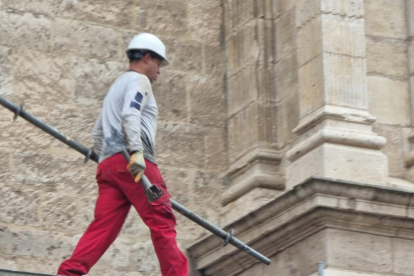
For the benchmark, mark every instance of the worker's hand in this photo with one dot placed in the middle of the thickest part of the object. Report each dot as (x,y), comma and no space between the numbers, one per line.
(137,165)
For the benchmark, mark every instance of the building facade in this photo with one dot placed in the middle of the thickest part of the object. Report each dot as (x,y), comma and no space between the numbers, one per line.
(290,122)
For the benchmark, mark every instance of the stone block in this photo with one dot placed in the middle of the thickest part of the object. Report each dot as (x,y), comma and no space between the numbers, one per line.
(411,56)
(93,78)
(311,86)
(134,226)
(184,56)
(51,8)
(243,132)
(410,17)
(180,145)
(203,25)
(5,161)
(359,251)
(118,254)
(171,17)
(309,41)
(306,11)
(6,67)
(343,36)
(339,162)
(42,78)
(25,31)
(284,5)
(287,79)
(86,40)
(242,90)
(386,18)
(348,8)
(114,13)
(213,61)
(403,261)
(345,81)
(216,150)
(32,243)
(286,35)
(288,118)
(207,101)
(393,149)
(389,100)
(59,212)
(386,57)
(144,258)
(171,95)
(19,207)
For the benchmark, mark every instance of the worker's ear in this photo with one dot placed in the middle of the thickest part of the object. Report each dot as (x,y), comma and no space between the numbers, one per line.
(147,58)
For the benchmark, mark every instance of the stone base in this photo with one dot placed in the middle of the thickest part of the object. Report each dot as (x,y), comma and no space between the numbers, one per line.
(339,162)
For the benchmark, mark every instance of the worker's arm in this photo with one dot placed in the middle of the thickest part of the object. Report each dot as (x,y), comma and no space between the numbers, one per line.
(134,103)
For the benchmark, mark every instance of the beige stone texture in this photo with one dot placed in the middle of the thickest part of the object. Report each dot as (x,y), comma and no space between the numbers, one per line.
(309,41)
(339,162)
(20,207)
(286,34)
(86,39)
(389,100)
(386,18)
(393,149)
(403,262)
(6,67)
(287,79)
(64,9)
(352,250)
(386,57)
(284,5)
(24,30)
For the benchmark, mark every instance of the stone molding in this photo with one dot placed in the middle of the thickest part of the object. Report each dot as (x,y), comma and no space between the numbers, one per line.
(257,169)
(313,205)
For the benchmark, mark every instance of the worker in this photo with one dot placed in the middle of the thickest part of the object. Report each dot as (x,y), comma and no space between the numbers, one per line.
(128,120)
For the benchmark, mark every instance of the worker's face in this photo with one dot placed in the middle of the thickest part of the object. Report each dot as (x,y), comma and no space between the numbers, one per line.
(153,69)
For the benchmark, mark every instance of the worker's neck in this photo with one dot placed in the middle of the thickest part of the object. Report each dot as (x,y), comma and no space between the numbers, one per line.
(137,67)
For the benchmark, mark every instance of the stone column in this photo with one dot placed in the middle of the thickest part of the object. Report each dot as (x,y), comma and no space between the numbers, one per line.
(335,137)
(409,159)
(253,176)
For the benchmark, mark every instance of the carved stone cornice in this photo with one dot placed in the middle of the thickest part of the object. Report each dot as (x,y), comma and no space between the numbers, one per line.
(308,208)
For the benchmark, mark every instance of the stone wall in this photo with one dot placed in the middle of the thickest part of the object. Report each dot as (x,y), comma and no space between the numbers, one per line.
(59,58)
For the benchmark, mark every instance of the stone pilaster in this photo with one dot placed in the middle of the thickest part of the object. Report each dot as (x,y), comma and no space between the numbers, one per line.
(335,137)
(253,176)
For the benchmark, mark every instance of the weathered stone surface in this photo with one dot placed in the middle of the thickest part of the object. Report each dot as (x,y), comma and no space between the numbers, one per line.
(203,23)
(214,60)
(345,81)
(171,17)
(242,90)
(207,101)
(6,67)
(216,150)
(25,31)
(32,243)
(350,8)
(311,86)
(309,41)
(284,5)
(86,40)
(118,254)
(144,258)
(353,250)
(386,18)
(411,56)
(389,100)
(180,145)
(42,78)
(393,149)
(343,36)
(5,161)
(286,35)
(19,205)
(170,93)
(65,8)
(287,79)
(59,212)
(386,57)
(93,78)
(184,56)
(403,261)
(288,118)
(113,13)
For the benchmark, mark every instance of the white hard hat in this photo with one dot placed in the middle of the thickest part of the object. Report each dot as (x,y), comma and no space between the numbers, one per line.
(146,41)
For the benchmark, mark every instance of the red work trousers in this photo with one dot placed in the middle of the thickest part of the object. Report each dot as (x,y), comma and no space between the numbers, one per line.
(117,192)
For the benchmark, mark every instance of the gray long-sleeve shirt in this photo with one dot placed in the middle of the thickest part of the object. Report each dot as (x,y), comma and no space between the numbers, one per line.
(128,119)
